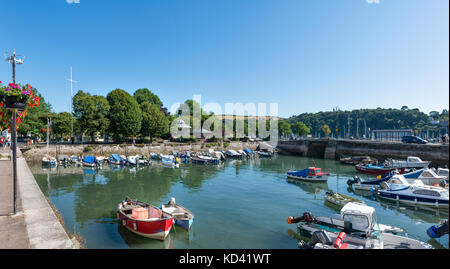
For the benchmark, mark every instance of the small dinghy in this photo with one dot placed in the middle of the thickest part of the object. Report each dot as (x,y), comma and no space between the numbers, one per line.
(369,184)
(144,219)
(116,159)
(172,162)
(89,161)
(155,156)
(100,160)
(132,160)
(49,161)
(339,199)
(183,217)
(205,160)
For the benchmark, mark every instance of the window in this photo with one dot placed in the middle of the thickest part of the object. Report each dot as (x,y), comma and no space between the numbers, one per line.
(359,222)
(427,192)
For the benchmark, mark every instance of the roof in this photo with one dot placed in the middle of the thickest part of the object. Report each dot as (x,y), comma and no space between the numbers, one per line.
(357,208)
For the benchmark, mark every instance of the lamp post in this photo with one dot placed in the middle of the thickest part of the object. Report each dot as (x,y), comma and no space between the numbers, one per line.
(14,60)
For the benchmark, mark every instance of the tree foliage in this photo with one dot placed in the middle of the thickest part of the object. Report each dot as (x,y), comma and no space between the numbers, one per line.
(154,121)
(125,116)
(300,129)
(92,113)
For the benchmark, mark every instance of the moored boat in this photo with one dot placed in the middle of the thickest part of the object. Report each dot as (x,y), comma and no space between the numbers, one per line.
(410,162)
(309,174)
(183,217)
(204,160)
(49,161)
(397,188)
(89,161)
(132,160)
(144,219)
(375,169)
(116,159)
(426,175)
(357,228)
(369,184)
(339,199)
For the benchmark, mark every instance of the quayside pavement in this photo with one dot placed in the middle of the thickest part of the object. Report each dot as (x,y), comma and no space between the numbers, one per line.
(35,225)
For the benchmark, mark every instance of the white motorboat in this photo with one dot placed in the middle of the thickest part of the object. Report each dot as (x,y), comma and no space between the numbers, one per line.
(411,162)
(427,175)
(232,153)
(397,188)
(442,172)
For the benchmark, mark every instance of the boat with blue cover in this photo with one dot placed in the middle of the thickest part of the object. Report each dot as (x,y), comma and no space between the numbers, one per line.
(117,160)
(397,188)
(183,217)
(249,151)
(309,174)
(89,161)
(49,161)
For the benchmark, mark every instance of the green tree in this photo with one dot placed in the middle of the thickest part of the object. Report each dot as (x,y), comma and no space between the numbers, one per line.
(62,124)
(125,116)
(300,129)
(284,127)
(91,112)
(154,121)
(145,95)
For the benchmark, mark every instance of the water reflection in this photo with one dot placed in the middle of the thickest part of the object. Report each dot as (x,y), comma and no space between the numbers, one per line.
(310,187)
(237,203)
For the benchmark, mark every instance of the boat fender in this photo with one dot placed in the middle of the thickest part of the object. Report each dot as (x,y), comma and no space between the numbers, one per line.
(339,241)
(372,189)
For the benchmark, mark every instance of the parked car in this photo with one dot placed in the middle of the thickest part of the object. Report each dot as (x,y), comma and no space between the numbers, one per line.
(413,139)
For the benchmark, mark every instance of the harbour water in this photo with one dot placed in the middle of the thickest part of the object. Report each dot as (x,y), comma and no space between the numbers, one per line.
(240,204)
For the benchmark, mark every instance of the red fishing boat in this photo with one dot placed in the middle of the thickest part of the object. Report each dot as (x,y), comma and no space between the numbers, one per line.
(144,219)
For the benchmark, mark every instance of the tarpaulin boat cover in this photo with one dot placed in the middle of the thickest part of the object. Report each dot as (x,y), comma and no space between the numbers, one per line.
(249,151)
(301,173)
(116,157)
(89,159)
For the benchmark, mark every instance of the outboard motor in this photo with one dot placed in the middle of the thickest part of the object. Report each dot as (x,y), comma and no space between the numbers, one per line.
(306,217)
(437,232)
(317,237)
(355,179)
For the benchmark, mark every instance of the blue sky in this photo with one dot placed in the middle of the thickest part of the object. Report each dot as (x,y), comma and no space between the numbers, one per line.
(305,55)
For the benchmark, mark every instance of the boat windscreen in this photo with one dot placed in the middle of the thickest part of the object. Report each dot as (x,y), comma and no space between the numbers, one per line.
(359,222)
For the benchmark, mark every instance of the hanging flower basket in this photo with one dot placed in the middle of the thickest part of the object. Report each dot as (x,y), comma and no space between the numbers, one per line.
(13,102)
(16,97)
